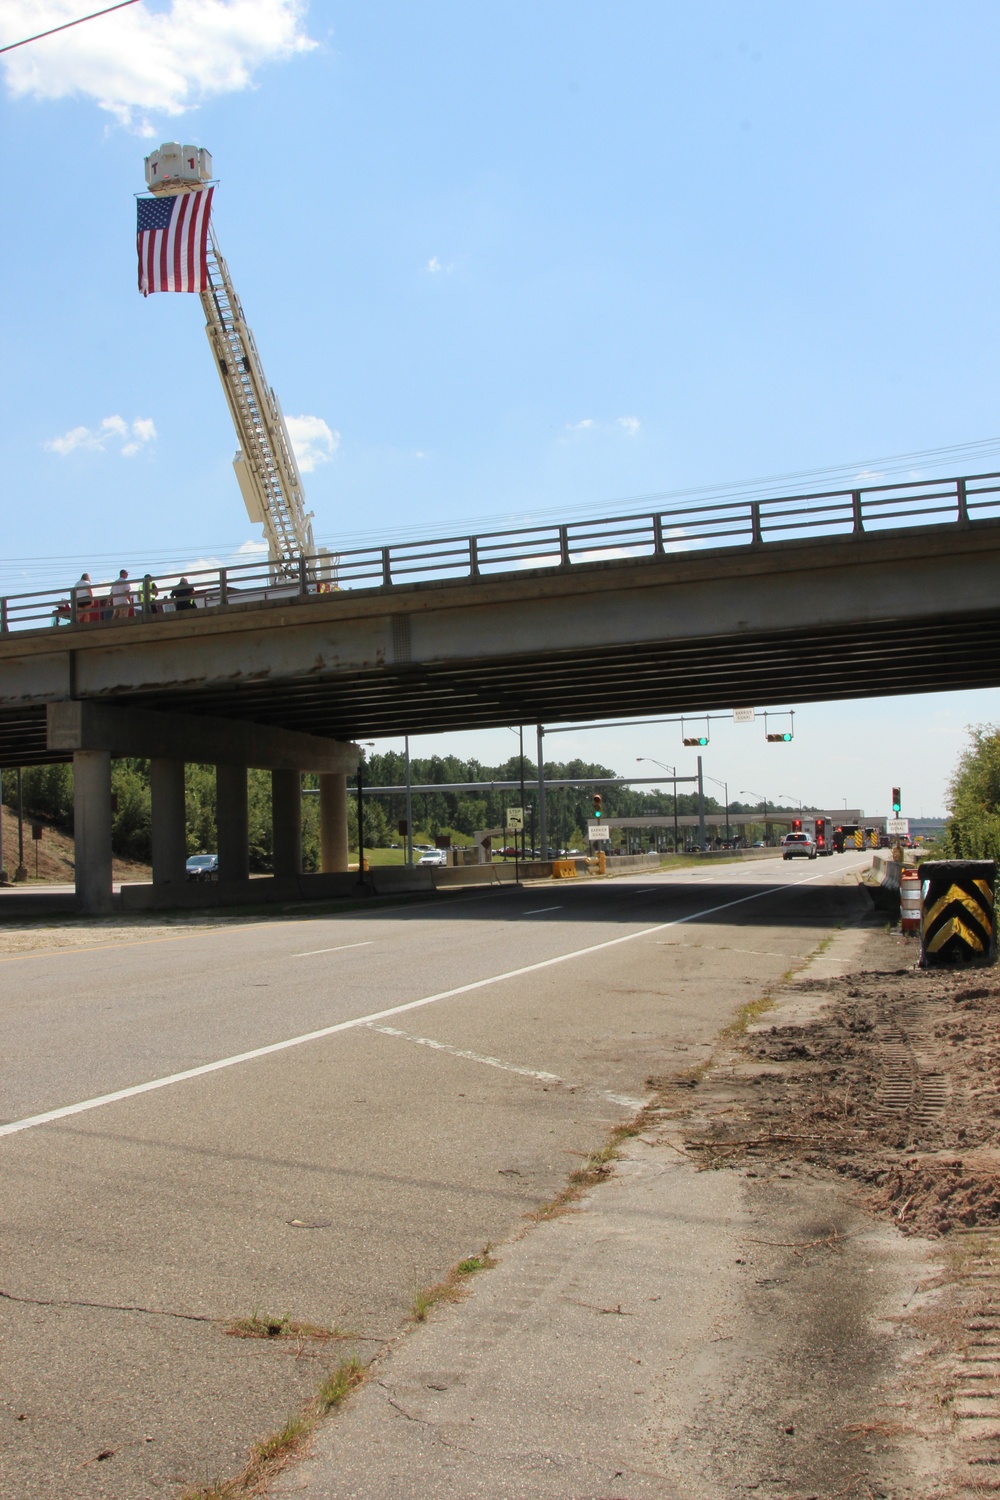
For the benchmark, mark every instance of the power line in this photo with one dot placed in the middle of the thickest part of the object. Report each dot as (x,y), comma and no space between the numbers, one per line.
(67,24)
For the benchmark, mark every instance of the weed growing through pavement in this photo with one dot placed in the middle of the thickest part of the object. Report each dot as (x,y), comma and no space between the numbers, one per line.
(454,1285)
(270,1455)
(262,1326)
(747,1014)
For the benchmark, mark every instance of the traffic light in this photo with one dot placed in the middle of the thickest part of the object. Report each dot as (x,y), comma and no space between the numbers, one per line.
(779,739)
(598,805)
(702,739)
(897,801)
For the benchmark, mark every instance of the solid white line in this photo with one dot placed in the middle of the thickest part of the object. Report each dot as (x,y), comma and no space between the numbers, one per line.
(67,1110)
(536,909)
(313,951)
(479,1057)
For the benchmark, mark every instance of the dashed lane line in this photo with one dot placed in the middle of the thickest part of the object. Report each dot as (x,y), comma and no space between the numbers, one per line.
(478,1057)
(48,1117)
(341,948)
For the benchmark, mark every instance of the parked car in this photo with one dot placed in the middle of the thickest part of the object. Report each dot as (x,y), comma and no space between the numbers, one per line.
(798,844)
(434,857)
(203,867)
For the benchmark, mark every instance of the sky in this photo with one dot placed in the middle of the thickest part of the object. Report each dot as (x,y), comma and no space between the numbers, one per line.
(511,262)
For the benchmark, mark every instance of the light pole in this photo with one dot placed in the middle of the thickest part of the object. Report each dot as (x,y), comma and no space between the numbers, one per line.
(673,772)
(725,788)
(793,799)
(748,791)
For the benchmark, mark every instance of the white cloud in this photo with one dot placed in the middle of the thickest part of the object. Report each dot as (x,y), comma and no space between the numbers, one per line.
(314,442)
(630,425)
(249,550)
(437,267)
(142,430)
(138,61)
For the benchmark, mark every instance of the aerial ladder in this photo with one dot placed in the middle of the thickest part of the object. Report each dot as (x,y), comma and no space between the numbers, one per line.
(265,465)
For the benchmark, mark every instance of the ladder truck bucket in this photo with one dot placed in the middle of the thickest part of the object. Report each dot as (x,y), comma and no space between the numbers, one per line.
(173,168)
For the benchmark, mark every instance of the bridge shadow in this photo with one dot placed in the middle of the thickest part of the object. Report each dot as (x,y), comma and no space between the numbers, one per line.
(597,903)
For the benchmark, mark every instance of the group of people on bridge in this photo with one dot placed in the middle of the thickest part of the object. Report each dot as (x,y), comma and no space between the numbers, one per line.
(117,601)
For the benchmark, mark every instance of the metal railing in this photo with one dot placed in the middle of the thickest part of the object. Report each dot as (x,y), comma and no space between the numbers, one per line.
(659,533)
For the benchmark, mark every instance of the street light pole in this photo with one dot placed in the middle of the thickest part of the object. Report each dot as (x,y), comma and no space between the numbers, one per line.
(673,772)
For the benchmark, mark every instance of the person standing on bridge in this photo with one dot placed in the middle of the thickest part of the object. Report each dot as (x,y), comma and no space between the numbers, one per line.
(121,596)
(183,595)
(84,599)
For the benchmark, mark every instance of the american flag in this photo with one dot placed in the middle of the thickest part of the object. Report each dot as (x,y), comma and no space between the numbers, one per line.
(172,240)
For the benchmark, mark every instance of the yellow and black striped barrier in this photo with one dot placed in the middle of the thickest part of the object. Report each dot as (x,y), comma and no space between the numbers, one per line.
(957,924)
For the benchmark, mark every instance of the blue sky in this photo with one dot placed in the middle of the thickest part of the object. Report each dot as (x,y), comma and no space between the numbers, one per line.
(509,261)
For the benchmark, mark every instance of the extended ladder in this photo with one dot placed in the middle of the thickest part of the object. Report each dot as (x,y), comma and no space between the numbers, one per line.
(265,464)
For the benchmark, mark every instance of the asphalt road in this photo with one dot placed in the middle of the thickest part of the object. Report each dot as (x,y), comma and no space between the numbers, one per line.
(317,1116)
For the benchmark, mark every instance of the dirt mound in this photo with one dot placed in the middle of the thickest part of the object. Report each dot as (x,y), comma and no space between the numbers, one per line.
(893,1084)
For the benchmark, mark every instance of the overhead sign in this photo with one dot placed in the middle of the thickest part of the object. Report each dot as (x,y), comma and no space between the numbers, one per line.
(744,715)
(515,819)
(596,832)
(897,825)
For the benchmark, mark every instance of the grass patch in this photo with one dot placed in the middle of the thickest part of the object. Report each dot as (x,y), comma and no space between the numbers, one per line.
(262,1326)
(596,1167)
(454,1285)
(269,1456)
(746,1015)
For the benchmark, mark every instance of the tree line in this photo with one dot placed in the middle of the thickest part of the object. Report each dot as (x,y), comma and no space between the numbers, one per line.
(47,793)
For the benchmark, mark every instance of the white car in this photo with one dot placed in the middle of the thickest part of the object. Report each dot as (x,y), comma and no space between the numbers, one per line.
(798,844)
(434,857)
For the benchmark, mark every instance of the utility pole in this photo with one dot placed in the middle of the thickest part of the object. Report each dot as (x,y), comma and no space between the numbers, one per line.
(21,873)
(543,838)
(701,808)
(409,807)
(361,818)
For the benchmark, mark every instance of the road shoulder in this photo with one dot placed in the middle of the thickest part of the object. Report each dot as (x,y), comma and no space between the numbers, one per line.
(681,1331)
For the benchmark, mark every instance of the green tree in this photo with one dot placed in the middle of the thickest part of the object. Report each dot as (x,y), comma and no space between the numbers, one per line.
(974,797)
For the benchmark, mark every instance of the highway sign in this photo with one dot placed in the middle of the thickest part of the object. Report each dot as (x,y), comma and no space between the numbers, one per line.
(897,825)
(743,715)
(515,819)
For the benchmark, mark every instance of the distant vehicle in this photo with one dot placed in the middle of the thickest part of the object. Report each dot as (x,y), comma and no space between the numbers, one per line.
(425,848)
(434,857)
(798,844)
(202,867)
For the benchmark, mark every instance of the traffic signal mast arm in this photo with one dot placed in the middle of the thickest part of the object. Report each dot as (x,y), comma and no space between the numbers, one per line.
(265,465)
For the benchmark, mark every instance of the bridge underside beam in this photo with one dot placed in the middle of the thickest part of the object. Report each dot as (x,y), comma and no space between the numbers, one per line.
(155,734)
(295,719)
(677,676)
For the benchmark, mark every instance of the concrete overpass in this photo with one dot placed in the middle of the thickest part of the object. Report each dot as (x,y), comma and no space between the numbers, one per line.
(869,592)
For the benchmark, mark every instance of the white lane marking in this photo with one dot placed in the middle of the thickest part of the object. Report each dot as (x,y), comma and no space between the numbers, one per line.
(343,946)
(66,1110)
(536,909)
(479,1057)
(626,1100)
(722,948)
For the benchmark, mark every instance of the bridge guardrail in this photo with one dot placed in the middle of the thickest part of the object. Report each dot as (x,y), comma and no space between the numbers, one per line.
(657,533)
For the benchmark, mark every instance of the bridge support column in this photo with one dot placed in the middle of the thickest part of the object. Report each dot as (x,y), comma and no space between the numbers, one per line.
(166,785)
(92,830)
(286,822)
(333,822)
(232,822)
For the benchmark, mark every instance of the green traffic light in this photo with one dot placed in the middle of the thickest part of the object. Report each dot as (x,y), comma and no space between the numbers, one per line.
(786,737)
